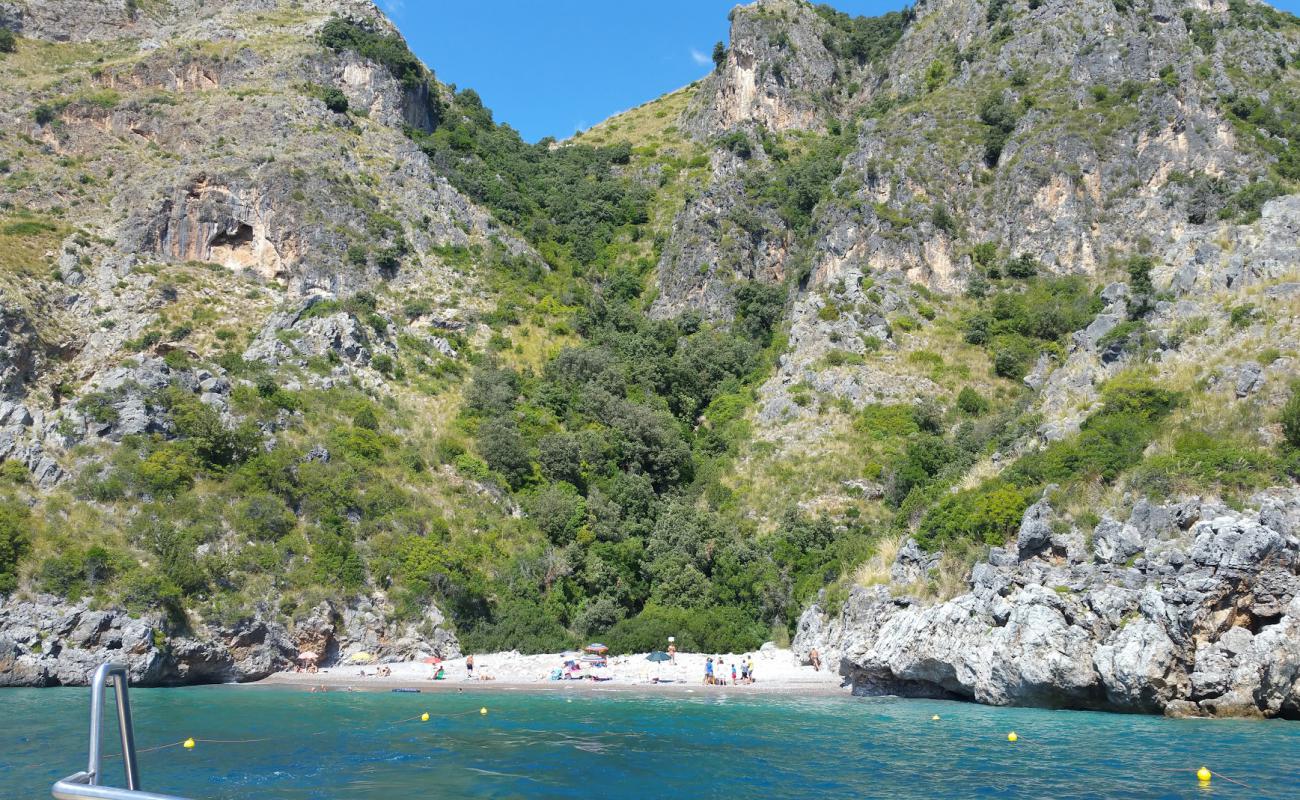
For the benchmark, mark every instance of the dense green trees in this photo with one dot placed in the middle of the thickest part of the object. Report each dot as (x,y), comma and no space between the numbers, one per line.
(1022,320)
(14,541)
(569,201)
(863,39)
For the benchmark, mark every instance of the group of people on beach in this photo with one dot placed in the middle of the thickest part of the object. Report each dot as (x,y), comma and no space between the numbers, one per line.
(715,672)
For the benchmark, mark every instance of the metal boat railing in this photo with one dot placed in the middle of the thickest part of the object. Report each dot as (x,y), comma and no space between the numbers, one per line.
(87,785)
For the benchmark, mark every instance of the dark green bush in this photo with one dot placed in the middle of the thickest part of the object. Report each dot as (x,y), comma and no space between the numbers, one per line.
(15,520)
(1000,118)
(517,624)
(99,407)
(8,42)
(988,515)
(504,449)
(1290,417)
(263,517)
(76,572)
(713,630)
(334,99)
(971,402)
(863,39)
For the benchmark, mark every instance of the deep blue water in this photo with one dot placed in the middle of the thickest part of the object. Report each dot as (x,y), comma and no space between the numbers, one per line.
(571,744)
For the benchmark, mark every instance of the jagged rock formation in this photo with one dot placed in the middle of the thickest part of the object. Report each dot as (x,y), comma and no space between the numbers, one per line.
(46,642)
(1071,131)
(212,180)
(222,224)
(761,81)
(1187,608)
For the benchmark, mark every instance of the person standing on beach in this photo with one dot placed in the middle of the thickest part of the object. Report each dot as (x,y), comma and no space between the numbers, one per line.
(733,675)
(708,671)
(744,671)
(469,666)
(751,669)
(672,651)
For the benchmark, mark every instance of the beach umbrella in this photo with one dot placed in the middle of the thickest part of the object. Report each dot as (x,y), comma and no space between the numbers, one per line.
(360,658)
(658,657)
(433,660)
(307,656)
(596,647)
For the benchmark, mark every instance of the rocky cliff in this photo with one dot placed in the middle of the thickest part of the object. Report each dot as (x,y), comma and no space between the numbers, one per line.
(183,168)
(301,349)
(1186,608)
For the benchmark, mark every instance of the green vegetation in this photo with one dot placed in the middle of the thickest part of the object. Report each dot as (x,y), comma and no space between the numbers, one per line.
(1023,319)
(8,42)
(797,183)
(1274,127)
(385,49)
(863,39)
(1111,441)
(14,540)
(1290,417)
(1000,118)
(569,200)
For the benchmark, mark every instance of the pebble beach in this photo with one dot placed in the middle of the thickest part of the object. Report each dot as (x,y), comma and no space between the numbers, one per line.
(776,671)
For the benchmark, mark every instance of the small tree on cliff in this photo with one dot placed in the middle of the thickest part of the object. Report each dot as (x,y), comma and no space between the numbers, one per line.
(719,55)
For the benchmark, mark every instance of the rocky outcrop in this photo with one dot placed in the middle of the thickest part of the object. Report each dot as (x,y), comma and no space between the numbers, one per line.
(1189,608)
(718,242)
(775,72)
(101,20)
(49,642)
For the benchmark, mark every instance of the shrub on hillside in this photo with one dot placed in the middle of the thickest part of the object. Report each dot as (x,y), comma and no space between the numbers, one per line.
(1291,417)
(334,99)
(971,402)
(14,541)
(988,515)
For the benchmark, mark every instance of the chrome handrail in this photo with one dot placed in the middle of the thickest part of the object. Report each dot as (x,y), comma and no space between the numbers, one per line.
(86,785)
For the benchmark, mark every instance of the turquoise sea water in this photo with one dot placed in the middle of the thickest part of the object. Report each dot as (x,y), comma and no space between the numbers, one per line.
(709,744)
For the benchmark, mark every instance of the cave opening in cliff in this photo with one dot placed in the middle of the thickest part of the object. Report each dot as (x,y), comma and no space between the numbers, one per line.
(241,236)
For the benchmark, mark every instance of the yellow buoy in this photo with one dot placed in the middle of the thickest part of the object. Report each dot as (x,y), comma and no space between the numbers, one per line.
(1204,775)
(1011,737)
(188,744)
(936,716)
(424,717)
(483,710)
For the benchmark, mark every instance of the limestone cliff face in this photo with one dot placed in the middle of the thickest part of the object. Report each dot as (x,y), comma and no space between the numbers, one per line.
(47,642)
(103,20)
(1076,177)
(1185,609)
(183,166)
(1074,132)
(776,73)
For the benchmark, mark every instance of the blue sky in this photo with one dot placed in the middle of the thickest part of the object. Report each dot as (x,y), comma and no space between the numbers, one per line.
(550,68)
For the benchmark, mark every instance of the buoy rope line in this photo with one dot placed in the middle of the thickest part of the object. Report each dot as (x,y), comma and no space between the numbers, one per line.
(190,742)
(1203,774)
(1207,771)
